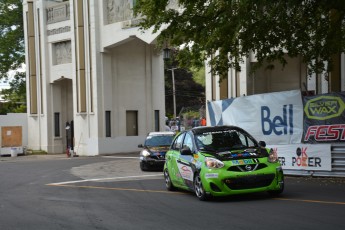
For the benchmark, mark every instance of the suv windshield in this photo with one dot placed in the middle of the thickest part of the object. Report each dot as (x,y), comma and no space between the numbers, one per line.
(224,140)
(159,140)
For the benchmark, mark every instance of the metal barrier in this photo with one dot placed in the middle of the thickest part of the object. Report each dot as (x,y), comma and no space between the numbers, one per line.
(338,164)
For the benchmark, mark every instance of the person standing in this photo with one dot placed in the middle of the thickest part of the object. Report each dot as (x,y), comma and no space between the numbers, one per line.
(203,121)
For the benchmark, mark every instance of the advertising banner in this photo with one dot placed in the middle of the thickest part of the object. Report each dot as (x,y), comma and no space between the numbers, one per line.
(312,157)
(324,118)
(276,118)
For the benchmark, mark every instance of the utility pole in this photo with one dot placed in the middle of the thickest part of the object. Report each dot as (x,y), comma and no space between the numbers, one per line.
(174,91)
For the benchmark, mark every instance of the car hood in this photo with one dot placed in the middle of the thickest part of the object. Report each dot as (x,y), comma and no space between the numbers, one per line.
(158,149)
(240,154)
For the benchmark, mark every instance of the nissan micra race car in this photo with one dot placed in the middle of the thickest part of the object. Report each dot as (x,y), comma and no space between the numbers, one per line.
(221,161)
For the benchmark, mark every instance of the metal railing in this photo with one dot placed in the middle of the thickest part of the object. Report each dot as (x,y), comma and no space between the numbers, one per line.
(338,164)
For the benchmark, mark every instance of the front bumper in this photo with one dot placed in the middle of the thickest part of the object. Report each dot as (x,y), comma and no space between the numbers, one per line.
(150,163)
(221,182)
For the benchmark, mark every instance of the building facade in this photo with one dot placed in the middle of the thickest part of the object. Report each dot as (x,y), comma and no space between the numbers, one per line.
(95,82)
(266,80)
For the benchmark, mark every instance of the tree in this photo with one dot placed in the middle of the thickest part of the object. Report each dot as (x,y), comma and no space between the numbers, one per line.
(189,94)
(15,96)
(229,30)
(12,54)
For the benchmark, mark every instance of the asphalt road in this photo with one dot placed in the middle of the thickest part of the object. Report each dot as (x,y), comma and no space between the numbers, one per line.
(55,192)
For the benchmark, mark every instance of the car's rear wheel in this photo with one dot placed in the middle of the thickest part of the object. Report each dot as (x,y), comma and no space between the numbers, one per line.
(199,189)
(168,183)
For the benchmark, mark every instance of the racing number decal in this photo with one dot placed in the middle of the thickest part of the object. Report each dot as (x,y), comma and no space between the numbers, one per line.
(185,170)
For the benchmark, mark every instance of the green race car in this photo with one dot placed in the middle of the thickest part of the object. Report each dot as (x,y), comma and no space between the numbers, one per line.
(221,161)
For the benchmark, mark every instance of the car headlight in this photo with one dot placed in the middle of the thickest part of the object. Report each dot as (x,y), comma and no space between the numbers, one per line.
(272,156)
(213,163)
(145,153)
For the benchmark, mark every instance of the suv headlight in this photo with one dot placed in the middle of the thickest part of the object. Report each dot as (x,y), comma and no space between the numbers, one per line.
(272,156)
(145,153)
(213,163)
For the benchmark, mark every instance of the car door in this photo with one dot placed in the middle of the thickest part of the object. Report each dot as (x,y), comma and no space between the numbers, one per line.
(185,161)
(171,160)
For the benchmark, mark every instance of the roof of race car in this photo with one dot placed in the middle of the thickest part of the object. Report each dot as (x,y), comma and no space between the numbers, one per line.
(205,129)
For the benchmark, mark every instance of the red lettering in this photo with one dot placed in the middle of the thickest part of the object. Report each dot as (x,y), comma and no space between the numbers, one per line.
(333,132)
(342,133)
(304,156)
(310,132)
(326,132)
(321,133)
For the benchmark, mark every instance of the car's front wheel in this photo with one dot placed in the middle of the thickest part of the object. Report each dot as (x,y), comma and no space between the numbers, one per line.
(199,189)
(168,183)
(279,191)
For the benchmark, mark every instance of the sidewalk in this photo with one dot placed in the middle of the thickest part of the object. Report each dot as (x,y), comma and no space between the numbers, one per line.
(32,157)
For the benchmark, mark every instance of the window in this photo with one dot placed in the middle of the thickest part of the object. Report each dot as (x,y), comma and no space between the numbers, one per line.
(56,124)
(178,142)
(107,123)
(188,142)
(156,120)
(246,140)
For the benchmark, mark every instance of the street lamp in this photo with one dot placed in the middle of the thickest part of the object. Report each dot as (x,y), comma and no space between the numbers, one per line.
(166,53)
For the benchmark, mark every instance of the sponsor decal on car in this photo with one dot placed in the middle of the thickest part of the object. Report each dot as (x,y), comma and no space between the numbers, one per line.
(211,175)
(245,154)
(243,162)
(185,171)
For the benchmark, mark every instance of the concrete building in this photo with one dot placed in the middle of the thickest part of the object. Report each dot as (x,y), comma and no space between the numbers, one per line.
(267,80)
(95,82)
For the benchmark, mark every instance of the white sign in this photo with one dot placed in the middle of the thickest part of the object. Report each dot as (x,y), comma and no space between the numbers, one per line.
(276,118)
(312,157)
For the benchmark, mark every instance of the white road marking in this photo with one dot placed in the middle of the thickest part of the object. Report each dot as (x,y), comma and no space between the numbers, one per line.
(103,179)
(121,157)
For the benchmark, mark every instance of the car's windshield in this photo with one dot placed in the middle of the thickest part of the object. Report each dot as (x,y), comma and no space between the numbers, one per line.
(159,140)
(223,140)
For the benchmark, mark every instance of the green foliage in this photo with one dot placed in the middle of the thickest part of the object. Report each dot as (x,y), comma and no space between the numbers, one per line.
(188,93)
(15,96)
(228,30)
(199,75)
(12,54)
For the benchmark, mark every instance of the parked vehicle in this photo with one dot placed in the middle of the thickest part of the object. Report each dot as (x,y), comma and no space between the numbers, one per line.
(152,156)
(221,161)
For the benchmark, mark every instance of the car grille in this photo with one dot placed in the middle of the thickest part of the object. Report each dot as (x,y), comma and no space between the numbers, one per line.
(249,182)
(243,168)
(158,157)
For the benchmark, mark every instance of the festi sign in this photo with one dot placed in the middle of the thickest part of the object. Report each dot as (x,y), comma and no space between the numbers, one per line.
(324,118)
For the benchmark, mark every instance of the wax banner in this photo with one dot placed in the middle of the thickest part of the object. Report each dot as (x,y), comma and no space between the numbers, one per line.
(312,157)
(276,118)
(324,118)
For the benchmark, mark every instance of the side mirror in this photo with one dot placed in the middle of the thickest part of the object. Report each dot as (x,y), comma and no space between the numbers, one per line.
(186,151)
(140,146)
(262,144)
